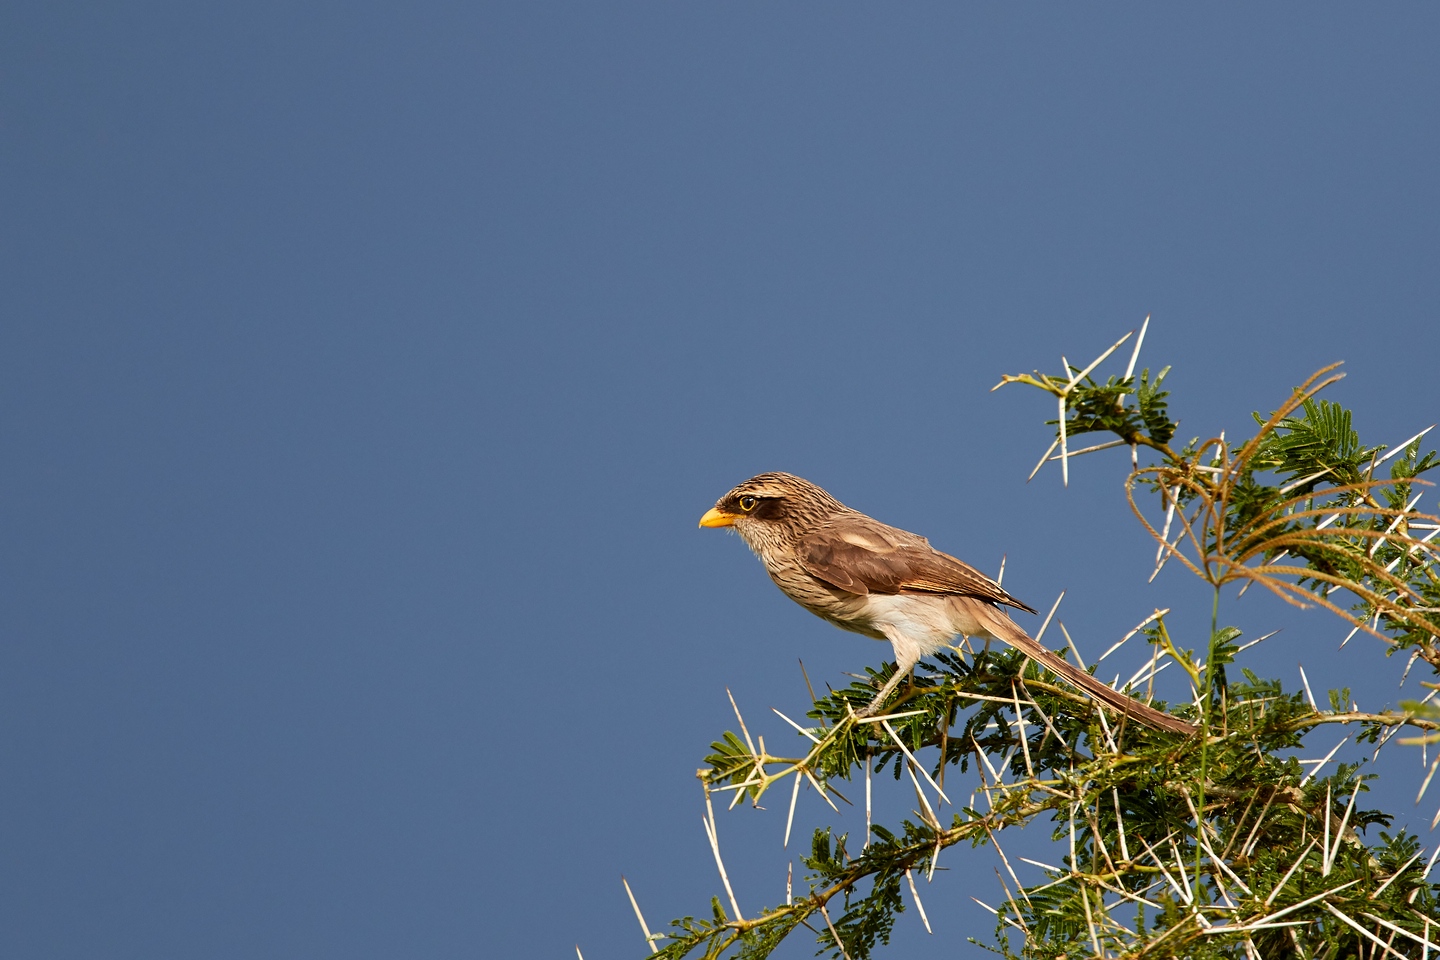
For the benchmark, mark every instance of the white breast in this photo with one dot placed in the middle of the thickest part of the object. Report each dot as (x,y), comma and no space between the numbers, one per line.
(923,623)
(919,624)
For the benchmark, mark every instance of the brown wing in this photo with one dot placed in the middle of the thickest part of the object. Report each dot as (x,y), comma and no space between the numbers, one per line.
(861,555)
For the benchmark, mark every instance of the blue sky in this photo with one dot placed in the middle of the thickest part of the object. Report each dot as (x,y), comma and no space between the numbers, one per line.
(364,370)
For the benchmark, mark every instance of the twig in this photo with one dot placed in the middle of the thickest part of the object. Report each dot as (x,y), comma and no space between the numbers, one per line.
(709,821)
(1090,922)
(1138,627)
(1405,866)
(1368,935)
(1055,606)
(1135,353)
(1099,446)
(1044,457)
(918,905)
(1321,762)
(927,813)
(1024,736)
(1006,860)
(906,750)
(1079,660)
(790,817)
(1183,892)
(644,928)
(1423,941)
(1307,901)
(1242,649)
(1120,825)
(826,914)
(820,789)
(801,730)
(808,688)
(1308,695)
(1289,873)
(1431,863)
(1064,446)
(869,756)
(1339,831)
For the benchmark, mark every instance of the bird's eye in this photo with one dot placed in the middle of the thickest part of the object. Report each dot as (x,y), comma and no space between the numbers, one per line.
(748,503)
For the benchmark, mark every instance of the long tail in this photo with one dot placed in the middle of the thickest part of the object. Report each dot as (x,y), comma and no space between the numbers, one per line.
(1008,631)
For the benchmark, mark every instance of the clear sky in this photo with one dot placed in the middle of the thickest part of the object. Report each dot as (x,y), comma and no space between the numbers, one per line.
(365,368)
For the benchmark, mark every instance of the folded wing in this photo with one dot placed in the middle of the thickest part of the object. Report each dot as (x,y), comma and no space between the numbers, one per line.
(862,556)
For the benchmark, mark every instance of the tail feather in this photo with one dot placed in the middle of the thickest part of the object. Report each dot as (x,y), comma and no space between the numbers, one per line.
(1007,631)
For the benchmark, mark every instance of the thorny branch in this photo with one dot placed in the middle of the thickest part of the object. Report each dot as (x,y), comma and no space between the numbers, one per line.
(1235,849)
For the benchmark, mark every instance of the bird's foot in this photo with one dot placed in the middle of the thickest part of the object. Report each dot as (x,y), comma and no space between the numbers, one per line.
(871,708)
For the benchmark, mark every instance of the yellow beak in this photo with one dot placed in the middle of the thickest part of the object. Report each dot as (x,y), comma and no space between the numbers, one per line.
(714,518)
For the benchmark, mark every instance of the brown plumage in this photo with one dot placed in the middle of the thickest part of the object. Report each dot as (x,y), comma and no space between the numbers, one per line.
(887,583)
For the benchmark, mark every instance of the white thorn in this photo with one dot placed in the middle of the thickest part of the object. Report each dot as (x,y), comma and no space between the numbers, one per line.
(644,928)
(1135,354)
(918,905)
(1308,695)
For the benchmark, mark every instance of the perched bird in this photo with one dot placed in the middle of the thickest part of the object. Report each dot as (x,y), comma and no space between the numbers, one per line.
(886,583)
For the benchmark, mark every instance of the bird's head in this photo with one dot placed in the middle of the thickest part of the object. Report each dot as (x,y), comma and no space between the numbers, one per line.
(772,508)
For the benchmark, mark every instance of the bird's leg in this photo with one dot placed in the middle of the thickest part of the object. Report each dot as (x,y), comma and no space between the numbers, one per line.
(873,707)
(906,656)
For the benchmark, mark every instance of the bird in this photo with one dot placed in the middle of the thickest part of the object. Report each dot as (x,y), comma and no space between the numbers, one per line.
(888,584)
